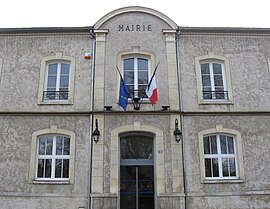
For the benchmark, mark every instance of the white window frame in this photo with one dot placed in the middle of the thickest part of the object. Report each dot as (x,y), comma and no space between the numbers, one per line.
(135,51)
(212,80)
(58,76)
(221,156)
(226,76)
(136,57)
(53,130)
(239,163)
(58,58)
(52,157)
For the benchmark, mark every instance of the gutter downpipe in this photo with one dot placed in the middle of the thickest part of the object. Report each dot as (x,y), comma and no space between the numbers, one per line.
(91,118)
(181,109)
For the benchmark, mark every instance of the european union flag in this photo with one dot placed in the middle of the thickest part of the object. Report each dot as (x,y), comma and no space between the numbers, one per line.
(123,94)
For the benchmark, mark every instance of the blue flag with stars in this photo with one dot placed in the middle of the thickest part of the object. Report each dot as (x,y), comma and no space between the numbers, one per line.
(123,95)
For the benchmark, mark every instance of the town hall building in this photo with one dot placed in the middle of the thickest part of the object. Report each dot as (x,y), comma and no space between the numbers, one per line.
(79,131)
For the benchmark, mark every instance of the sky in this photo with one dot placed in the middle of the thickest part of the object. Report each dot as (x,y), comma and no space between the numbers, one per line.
(187,13)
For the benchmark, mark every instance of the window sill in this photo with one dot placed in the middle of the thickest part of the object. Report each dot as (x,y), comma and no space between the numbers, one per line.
(223,181)
(55,102)
(215,102)
(51,182)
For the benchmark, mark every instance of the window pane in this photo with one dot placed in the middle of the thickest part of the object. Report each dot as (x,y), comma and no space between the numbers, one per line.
(51,81)
(41,150)
(40,168)
(223,144)
(230,144)
(213,140)
(218,80)
(142,64)
(64,81)
(225,167)
(206,80)
(143,77)
(217,68)
(205,68)
(215,167)
(58,168)
(129,64)
(48,168)
(207,94)
(130,88)
(49,145)
(52,69)
(50,94)
(66,146)
(129,77)
(65,168)
(63,94)
(207,163)
(206,145)
(232,167)
(59,145)
(219,94)
(64,69)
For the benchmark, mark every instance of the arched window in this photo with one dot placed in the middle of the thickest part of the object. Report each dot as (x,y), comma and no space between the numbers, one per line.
(221,155)
(213,79)
(220,158)
(57,76)
(52,156)
(136,74)
(57,80)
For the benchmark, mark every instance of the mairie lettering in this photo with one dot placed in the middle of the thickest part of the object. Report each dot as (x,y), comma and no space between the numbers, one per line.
(143,28)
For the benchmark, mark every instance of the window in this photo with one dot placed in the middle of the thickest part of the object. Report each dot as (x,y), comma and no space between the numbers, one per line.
(221,155)
(57,78)
(53,157)
(213,79)
(136,75)
(57,81)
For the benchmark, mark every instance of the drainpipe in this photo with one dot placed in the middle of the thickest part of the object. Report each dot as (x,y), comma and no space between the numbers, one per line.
(181,109)
(90,202)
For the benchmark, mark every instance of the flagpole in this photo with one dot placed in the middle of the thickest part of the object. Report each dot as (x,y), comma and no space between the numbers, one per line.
(119,72)
(153,75)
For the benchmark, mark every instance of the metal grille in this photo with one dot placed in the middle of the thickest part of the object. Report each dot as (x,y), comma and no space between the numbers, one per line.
(55,95)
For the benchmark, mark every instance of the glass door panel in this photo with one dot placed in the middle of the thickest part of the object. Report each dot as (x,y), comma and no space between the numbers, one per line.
(137,187)
(128,187)
(146,187)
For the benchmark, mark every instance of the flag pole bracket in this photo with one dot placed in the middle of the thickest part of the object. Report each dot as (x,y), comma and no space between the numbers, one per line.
(137,98)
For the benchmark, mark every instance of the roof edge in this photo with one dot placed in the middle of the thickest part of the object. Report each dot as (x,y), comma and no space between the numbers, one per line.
(46,30)
(87,29)
(224,30)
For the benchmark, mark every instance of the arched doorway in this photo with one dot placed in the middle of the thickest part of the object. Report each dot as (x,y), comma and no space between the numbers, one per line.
(137,172)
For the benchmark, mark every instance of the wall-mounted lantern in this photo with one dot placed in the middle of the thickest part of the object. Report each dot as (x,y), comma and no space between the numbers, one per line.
(96,133)
(177,133)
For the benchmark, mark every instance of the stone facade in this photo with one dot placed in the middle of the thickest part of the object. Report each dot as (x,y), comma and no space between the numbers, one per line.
(94,168)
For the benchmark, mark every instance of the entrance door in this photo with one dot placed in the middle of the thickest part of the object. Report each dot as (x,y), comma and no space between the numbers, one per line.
(137,173)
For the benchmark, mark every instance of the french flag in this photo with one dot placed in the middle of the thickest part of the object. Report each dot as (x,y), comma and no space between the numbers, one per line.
(151,90)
